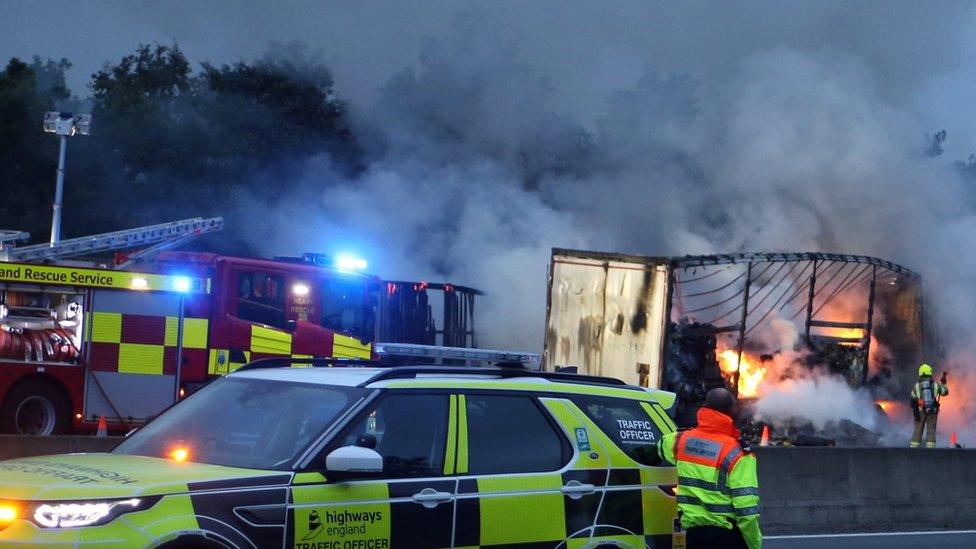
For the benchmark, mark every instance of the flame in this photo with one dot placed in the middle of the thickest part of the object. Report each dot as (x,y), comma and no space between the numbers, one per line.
(850,306)
(885,405)
(750,375)
(846,333)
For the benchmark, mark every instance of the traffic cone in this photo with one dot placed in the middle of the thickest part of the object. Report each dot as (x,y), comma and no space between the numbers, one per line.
(764,440)
(102,427)
(953,441)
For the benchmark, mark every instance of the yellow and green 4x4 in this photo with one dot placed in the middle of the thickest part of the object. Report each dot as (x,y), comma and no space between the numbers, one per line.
(366,458)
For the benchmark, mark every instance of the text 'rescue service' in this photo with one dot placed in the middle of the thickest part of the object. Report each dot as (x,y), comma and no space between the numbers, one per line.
(71,276)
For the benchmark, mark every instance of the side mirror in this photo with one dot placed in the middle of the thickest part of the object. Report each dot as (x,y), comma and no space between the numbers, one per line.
(353,462)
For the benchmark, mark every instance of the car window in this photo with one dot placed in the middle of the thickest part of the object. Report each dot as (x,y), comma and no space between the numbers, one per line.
(408,430)
(626,422)
(511,434)
(261,298)
(243,422)
(344,307)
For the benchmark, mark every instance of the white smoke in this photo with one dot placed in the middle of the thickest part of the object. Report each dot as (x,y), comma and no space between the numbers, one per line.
(792,393)
(819,399)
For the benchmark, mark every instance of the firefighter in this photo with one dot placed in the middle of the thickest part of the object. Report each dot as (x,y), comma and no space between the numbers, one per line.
(718,492)
(924,400)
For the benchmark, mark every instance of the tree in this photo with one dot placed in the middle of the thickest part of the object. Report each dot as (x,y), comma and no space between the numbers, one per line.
(28,157)
(168,142)
(141,107)
(282,105)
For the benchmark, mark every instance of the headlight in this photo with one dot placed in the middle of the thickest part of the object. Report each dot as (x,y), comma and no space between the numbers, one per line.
(64,514)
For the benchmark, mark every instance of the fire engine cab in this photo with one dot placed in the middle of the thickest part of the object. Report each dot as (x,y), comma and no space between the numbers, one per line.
(79,343)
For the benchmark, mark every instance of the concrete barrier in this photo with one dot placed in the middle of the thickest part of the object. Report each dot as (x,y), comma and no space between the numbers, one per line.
(15,446)
(842,490)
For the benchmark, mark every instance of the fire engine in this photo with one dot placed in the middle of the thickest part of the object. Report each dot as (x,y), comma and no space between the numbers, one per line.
(82,340)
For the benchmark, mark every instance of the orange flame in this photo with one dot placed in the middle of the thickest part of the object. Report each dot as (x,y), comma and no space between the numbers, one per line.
(750,374)
(846,333)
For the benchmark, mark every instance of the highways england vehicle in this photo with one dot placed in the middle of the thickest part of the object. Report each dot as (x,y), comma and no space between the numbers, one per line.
(360,456)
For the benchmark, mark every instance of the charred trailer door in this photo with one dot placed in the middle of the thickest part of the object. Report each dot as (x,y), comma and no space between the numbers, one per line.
(608,315)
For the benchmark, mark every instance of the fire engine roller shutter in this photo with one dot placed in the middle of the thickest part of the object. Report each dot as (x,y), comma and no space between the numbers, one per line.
(132,350)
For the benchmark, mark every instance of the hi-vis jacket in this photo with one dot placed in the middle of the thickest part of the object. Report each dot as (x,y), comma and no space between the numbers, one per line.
(717,484)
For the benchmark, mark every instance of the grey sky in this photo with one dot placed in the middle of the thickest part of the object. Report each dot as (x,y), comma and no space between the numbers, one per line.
(587,48)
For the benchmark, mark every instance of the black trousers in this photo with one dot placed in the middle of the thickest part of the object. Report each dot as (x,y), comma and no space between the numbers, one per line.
(713,537)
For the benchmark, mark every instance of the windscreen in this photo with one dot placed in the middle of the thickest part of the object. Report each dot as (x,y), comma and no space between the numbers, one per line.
(241,422)
(345,308)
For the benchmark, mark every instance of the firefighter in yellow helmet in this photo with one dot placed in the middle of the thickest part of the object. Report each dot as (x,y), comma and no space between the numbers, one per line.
(925,405)
(718,492)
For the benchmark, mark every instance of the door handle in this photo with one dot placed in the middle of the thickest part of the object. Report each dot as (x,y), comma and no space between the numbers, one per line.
(575,489)
(430,498)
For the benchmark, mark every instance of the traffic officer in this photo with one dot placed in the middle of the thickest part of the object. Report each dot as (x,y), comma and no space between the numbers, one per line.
(718,492)
(924,400)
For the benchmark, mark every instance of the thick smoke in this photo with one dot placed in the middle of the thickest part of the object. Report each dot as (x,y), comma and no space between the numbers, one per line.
(476,175)
(667,130)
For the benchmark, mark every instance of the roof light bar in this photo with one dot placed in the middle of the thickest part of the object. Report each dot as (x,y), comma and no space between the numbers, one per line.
(532,361)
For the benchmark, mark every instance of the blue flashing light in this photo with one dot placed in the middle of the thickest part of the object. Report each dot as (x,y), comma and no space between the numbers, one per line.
(350,263)
(182,284)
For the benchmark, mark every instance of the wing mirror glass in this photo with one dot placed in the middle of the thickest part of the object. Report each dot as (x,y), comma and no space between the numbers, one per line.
(353,462)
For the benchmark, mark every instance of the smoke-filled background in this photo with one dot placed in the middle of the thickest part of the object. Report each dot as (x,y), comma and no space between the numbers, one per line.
(461,141)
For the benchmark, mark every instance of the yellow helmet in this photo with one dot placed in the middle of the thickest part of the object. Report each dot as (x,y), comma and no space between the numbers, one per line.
(924,370)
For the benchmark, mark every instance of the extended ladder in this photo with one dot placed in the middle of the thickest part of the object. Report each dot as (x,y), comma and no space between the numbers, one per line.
(156,236)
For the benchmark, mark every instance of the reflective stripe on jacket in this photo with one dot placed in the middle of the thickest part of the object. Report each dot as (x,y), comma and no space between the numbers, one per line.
(717,483)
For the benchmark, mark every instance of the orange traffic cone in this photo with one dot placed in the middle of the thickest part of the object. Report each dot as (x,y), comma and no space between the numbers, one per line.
(764,440)
(102,427)
(953,441)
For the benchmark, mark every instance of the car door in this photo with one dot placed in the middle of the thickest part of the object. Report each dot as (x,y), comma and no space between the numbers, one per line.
(411,505)
(512,457)
(638,507)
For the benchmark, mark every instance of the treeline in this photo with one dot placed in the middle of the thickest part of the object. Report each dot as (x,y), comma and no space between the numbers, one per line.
(169,140)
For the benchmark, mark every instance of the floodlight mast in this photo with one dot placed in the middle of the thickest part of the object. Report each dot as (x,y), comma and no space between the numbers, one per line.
(64,124)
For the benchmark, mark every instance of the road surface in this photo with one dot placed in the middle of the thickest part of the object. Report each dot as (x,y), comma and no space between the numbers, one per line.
(893,540)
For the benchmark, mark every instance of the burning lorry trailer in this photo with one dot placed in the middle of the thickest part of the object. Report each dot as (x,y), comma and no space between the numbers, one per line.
(749,322)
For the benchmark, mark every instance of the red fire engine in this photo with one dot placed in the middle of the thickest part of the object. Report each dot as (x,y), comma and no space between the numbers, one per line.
(79,343)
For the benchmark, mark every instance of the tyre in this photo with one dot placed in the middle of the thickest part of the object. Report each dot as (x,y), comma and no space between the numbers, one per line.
(35,407)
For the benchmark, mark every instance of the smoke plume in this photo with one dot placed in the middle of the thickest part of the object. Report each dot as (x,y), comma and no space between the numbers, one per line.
(494,134)
(482,161)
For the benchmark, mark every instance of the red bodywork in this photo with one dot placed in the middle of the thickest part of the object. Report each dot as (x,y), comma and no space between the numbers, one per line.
(301,319)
